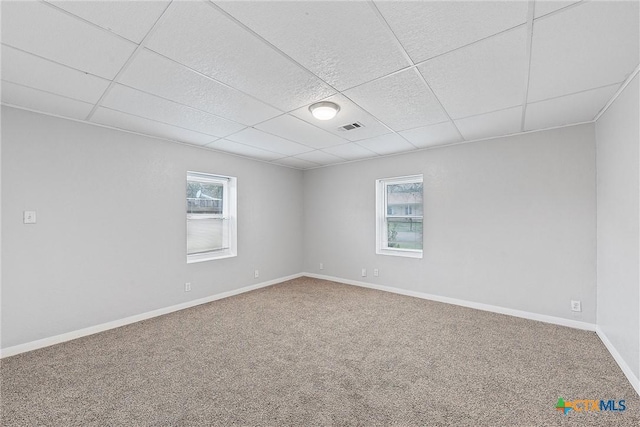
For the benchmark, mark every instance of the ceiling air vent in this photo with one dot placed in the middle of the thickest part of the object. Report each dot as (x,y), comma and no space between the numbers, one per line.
(351,126)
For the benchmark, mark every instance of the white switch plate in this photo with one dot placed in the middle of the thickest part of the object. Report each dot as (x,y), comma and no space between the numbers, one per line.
(364,272)
(256,274)
(376,273)
(29,217)
(576,306)
(187,287)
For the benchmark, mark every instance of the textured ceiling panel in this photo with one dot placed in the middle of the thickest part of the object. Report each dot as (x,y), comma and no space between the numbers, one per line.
(155,74)
(590,45)
(497,123)
(401,101)
(34,99)
(124,121)
(351,151)
(295,162)
(293,128)
(48,32)
(349,113)
(269,142)
(544,7)
(488,76)
(344,43)
(130,19)
(197,35)
(430,28)
(140,104)
(243,150)
(386,144)
(576,108)
(428,136)
(320,157)
(29,70)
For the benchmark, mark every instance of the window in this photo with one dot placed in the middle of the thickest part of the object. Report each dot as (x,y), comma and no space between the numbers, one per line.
(211,217)
(399,216)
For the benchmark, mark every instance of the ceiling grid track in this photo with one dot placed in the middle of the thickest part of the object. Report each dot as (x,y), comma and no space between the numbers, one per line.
(530,18)
(128,62)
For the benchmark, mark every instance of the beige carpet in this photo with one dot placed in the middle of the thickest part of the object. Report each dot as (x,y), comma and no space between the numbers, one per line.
(312,352)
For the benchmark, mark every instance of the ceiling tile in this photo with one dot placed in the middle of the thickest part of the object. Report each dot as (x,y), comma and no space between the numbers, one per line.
(156,74)
(590,45)
(33,99)
(486,76)
(48,32)
(130,19)
(293,128)
(243,150)
(344,43)
(401,101)
(29,70)
(428,136)
(545,7)
(124,121)
(269,142)
(294,162)
(430,28)
(349,113)
(320,157)
(202,38)
(386,144)
(497,123)
(351,151)
(576,108)
(141,104)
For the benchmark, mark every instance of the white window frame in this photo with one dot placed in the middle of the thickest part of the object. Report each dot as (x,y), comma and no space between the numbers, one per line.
(229,215)
(382,243)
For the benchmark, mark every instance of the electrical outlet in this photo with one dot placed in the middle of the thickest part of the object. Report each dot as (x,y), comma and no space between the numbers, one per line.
(29,217)
(576,306)
(187,287)
(364,272)
(256,274)
(321,266)
(376,273)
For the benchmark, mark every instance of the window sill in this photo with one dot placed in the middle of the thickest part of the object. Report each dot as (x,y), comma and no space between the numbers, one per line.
(191,259)
(407,253)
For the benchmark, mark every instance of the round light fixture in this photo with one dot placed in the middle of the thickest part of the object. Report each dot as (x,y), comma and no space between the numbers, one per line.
(324,110)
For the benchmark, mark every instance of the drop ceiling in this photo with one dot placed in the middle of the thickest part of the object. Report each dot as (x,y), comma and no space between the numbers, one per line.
(239,76)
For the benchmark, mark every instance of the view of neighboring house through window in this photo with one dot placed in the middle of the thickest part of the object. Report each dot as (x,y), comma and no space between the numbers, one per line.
(399,203)
(211,217)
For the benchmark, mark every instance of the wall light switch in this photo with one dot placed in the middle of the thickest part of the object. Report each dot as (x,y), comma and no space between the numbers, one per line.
(29,217)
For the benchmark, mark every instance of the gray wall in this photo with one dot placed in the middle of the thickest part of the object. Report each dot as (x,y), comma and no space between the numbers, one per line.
(509,222)
(110,237)
(618,139)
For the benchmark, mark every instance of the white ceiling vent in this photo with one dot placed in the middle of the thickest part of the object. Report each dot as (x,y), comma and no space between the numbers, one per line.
(351,126)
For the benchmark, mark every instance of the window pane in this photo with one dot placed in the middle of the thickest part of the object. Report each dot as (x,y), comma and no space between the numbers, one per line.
(404,233)
(404,199)
(204,235)
(204,198)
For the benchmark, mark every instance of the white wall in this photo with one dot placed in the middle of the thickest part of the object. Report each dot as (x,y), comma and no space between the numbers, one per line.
(618,139)
(110,237)
(509,222)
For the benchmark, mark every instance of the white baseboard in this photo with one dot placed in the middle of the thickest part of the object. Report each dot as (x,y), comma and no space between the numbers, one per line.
(68,336)
(635,382)
(577,324)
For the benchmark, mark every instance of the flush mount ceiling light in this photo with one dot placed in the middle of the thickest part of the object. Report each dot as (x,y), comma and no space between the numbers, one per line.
(324,110)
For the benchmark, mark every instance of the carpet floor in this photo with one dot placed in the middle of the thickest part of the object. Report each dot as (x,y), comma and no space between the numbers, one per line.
(313,352)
